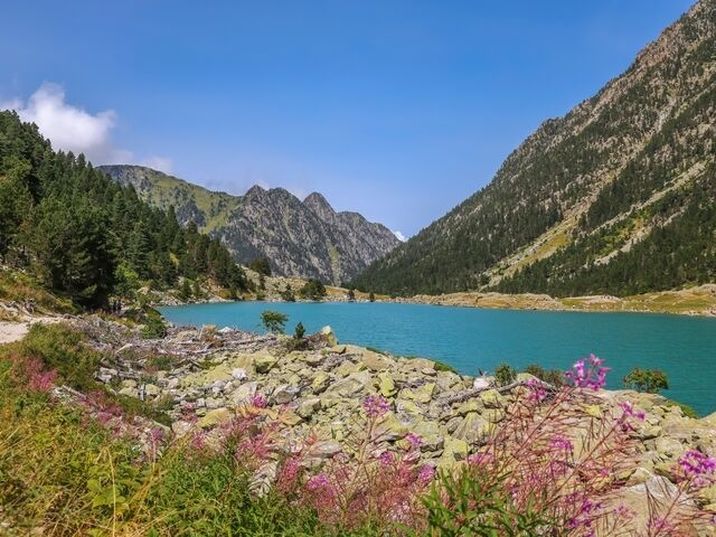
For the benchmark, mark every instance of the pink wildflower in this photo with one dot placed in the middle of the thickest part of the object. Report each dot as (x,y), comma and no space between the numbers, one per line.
(538,393)
(588,373)
(376,406)
(289,474)
(259,400)
(698,467)
(156,435)
(561,444)
(386,458)
(415,440)
(318,482)
(426,474)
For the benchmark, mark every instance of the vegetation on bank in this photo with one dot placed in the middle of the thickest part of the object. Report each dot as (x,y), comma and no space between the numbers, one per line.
(84,237)
(84,466)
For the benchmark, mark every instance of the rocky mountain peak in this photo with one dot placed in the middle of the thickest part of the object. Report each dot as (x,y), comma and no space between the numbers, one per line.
(319,205)
(300,238)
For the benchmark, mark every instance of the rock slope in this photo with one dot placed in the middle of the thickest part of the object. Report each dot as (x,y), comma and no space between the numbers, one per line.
(616,197)
(207,374)
(300,238)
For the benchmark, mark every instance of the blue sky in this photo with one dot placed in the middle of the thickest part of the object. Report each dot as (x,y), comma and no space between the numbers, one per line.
(397,109)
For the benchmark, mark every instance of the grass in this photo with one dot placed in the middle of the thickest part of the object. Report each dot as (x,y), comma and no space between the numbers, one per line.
(64,350)
(63,474)
(19,287)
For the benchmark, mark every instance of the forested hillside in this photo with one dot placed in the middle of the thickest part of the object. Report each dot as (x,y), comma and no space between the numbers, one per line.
(616,197)
(86,237)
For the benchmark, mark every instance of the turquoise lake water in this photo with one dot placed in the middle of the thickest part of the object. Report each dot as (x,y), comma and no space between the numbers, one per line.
(472,339)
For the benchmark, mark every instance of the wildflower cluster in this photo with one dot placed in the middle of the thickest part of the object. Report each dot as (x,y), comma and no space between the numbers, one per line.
(376,406)
(588,373)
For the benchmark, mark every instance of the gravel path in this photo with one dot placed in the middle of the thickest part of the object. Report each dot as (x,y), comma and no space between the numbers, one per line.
(10,332)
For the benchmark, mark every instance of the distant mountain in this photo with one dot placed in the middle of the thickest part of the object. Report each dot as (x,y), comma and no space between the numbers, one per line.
(300,238)
(617,197)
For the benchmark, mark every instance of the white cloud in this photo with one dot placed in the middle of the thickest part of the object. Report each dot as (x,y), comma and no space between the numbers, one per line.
(71,128)
(400,236)
(163,164)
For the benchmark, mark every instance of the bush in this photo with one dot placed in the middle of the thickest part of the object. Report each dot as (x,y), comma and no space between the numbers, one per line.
(504,374)
(550,376)
(287,294)
(313,290)
(442,366)
(261,265)
(154,328)
(646,380)
(371,296)
(61,348)
(274,321)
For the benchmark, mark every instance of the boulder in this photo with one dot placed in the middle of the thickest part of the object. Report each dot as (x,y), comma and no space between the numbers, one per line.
(386,384)
(307,407)
(320,382)
(329,336)
(264,362)
(492,399)
(473,428)
(214,417)
(243,393)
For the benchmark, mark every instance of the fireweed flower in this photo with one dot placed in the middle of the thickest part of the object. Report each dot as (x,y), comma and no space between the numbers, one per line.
(629,411)
(375,406)
(698,467)
(426,474)
(414,440)
(538,393)
(259,400)
(386,458)
(561,444)
(588,373)
(318,482)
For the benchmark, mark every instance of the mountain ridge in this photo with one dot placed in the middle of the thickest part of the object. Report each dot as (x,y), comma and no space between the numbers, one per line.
(304,238)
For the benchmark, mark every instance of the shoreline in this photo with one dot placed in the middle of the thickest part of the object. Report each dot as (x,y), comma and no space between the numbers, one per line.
(520,302)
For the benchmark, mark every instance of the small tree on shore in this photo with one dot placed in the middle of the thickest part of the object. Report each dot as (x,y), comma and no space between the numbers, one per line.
(274,321)
(646,380)
(371,296)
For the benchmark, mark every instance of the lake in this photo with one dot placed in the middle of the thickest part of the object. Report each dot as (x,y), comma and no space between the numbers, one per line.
(472,339)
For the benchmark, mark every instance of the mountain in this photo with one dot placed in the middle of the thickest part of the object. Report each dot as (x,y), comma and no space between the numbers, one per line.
(615,197)
(300,238)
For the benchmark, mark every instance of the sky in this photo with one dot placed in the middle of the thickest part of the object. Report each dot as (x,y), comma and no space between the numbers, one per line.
(395,109)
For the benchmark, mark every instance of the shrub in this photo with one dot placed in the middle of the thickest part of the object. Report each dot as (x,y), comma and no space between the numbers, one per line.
(550,376)
(505,374)
(351,295)
(299,332)
(442,366)
(274,321)
(313,290)
(154,328)
(261,265)
(287,294)
(61,348)
(371,296)
(646,380)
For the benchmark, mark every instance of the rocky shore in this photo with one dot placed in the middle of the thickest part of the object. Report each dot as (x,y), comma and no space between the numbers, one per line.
(199,377)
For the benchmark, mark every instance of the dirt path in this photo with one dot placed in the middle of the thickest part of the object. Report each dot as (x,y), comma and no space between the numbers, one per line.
(10,332)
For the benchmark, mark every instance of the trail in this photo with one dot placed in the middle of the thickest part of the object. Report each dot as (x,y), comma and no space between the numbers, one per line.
(10,332)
